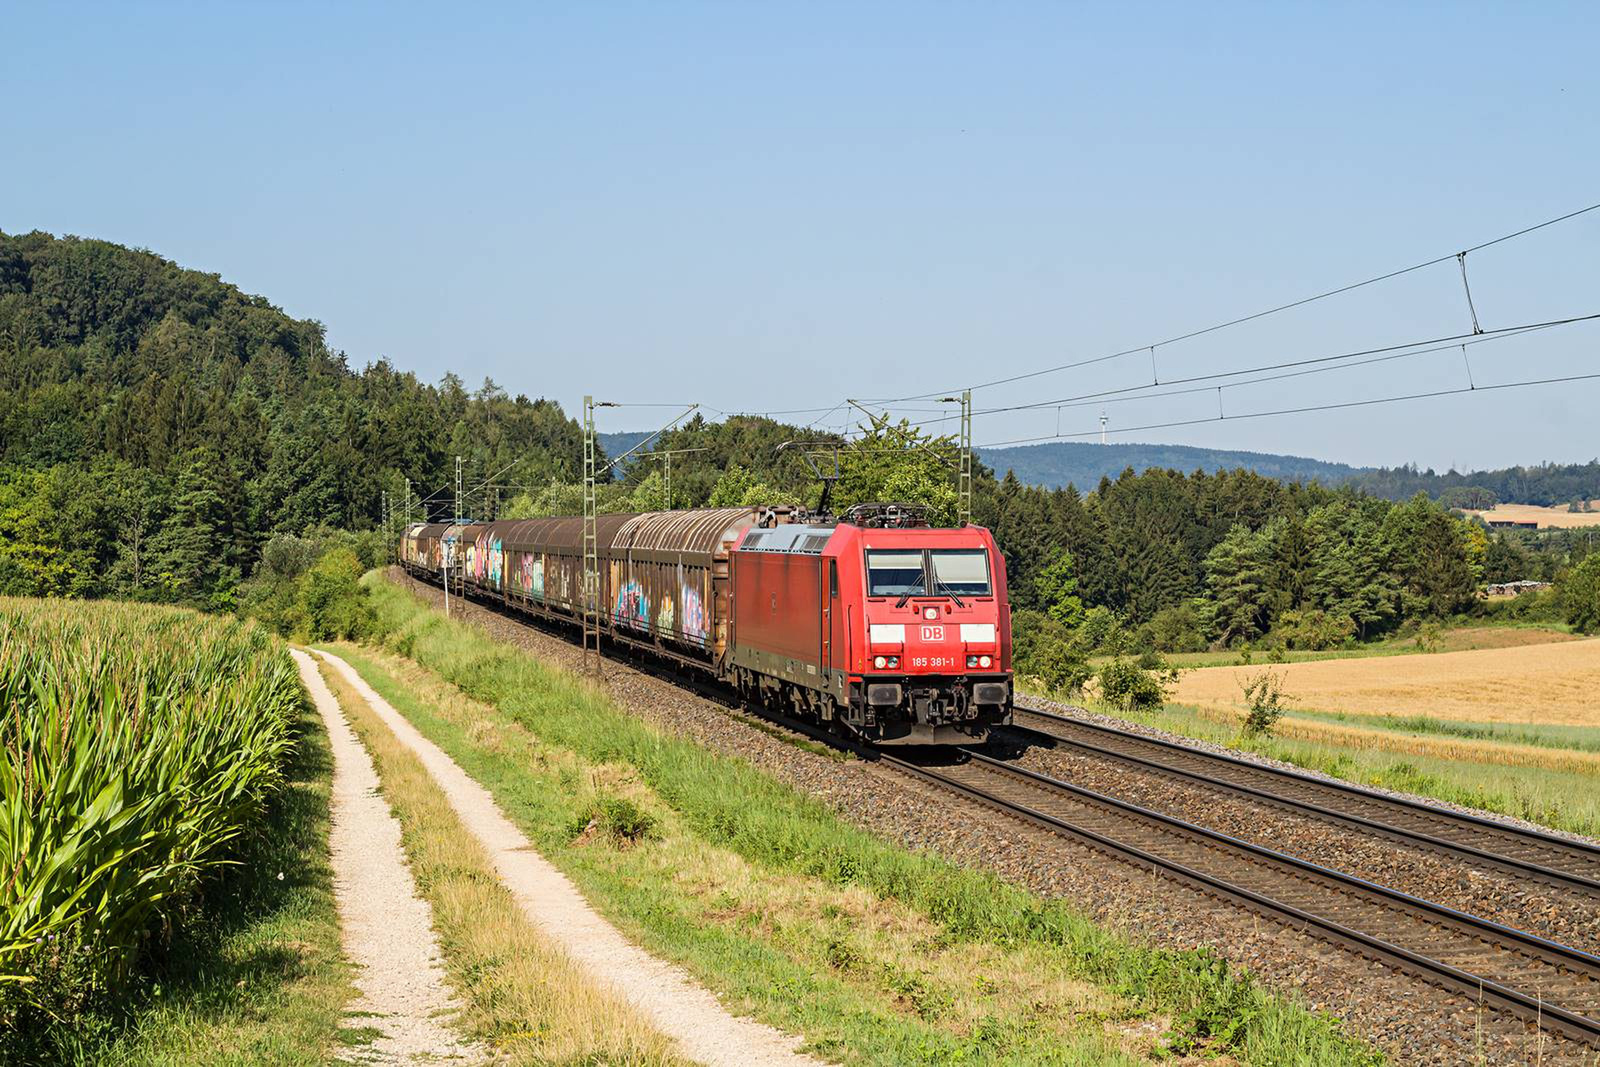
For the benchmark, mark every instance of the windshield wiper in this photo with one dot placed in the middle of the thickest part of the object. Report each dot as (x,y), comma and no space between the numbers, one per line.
(939,586)
(909,593)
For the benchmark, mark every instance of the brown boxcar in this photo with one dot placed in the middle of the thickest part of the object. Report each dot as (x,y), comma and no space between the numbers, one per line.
(663,575)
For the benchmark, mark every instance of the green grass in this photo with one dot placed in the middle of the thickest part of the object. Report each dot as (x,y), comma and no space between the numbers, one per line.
(1566,800)
(257,978)
(767,945)
(1575,738)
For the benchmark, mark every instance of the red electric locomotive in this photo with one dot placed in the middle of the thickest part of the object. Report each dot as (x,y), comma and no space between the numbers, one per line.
(899,631)
(876,622)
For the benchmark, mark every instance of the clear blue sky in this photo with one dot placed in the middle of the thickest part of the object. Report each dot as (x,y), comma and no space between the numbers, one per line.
(764,206)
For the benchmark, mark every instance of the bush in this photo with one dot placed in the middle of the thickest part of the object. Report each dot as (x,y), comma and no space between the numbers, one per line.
(1063,667)
(1136,686)
(1043,649)
(1314,630)
(1178,628)
(1543,605)
(618,819)
(1264,693)
(1580,595)
(1102,631)
(309,586)
(331,603)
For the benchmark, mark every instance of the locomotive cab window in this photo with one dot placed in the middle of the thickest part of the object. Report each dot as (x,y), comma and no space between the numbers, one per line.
(964,572)
(895,574)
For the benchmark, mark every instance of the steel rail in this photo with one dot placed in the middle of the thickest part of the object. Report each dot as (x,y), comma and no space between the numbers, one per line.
(1583,853)
(1526,1005)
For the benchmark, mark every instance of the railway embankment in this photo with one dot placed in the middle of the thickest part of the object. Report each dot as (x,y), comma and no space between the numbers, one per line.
(1437,1026)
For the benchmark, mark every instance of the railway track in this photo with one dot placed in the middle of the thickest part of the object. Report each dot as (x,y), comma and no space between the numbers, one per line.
(1558,861)
(1550,984)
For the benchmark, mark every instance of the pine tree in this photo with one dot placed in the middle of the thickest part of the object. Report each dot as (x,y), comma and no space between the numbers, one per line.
(1237,579)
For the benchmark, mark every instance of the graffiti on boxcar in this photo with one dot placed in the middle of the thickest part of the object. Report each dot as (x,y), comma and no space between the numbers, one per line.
(530,575)
(694,615)
(667,617)
(633,606)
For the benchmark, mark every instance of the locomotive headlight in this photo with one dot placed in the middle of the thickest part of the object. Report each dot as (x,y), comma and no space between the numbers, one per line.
(880,663)
(894,661)
(972,661)
(985,662)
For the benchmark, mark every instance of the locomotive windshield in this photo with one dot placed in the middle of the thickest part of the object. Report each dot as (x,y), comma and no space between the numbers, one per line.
(895,574)
(964,572)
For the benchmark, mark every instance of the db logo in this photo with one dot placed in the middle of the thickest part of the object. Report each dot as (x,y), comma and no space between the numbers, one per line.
(933,633)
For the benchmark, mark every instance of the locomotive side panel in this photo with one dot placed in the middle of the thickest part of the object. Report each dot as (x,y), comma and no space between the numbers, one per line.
(778,616)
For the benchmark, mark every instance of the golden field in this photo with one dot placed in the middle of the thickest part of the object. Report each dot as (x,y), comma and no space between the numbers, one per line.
(1557,518)
(1553,683)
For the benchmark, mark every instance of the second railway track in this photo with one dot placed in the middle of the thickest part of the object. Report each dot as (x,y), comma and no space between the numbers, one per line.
(1547,983)
(1558,861)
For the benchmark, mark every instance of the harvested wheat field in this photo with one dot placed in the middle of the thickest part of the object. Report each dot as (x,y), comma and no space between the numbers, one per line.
(1556,518)
(1546,683)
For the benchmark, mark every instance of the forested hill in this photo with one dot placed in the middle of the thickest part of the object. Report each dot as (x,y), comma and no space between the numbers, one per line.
(1059,464)
(1062,463)
(157,425)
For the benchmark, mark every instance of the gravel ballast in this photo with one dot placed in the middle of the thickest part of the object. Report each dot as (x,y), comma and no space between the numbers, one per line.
(1412,1021)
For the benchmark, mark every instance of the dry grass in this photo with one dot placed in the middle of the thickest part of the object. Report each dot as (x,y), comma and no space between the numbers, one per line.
(1551,683)
(521,993)
(1556,518)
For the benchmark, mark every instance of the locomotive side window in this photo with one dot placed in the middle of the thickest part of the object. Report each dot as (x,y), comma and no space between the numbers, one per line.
(964,572)
(833,577)
(895,574)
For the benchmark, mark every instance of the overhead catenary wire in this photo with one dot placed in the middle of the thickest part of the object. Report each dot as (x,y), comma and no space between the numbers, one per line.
(1371,401)
(1242,319)
(1400,351)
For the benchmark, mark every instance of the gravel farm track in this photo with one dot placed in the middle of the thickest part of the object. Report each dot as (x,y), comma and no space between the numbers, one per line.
(1412,1019)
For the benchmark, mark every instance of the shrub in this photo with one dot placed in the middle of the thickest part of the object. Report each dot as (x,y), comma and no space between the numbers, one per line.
(1314,629)
(1580,595)
(619,819)
(1102,631)
(1179,628)
(1266,698)
(1063,667)
(331,603)
(1134,686)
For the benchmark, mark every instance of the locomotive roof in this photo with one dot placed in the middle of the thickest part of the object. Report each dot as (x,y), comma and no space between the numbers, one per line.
(794,537)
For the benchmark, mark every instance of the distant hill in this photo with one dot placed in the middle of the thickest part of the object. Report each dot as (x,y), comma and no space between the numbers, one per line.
(1061,463)
(1057,464)
(615,444)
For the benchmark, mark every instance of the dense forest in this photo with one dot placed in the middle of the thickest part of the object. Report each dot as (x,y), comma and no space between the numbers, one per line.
(158,426)
(164,436)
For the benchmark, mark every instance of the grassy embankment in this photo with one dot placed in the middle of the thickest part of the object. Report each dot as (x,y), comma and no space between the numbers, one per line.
(875,954)
(161,770)
(520,993)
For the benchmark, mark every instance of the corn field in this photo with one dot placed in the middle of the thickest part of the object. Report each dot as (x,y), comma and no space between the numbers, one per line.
(138,741)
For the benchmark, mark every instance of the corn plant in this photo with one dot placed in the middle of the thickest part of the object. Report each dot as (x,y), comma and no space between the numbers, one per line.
(135,743)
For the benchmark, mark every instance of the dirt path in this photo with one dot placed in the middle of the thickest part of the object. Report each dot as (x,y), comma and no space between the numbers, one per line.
(385,926)
(666,995)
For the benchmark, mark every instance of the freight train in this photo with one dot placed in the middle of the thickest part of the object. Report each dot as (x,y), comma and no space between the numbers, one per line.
(874,623)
